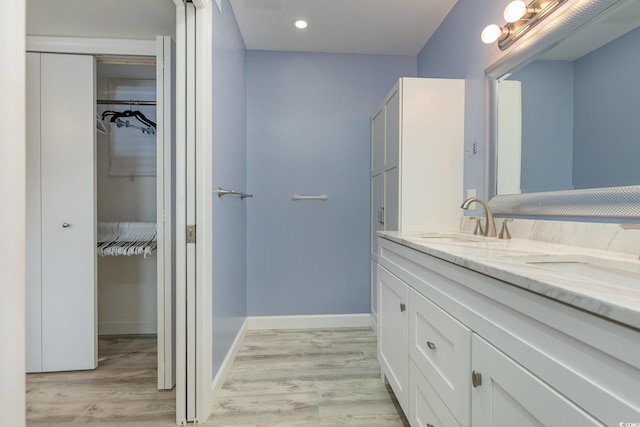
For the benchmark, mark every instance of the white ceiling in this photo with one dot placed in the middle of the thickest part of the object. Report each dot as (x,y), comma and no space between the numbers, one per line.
(392,27)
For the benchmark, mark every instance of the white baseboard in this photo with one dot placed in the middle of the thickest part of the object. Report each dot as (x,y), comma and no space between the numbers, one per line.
(128,328)
(310,321)
(374,325)
(223,372)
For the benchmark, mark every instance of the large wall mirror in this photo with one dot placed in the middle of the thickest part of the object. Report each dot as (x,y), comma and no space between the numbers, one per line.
(564,116)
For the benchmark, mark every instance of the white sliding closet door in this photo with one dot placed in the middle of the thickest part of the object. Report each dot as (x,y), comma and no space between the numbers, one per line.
(166,185)
(63,283)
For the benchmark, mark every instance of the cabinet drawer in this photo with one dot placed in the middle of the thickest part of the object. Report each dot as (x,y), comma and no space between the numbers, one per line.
(426,409)
(441,347)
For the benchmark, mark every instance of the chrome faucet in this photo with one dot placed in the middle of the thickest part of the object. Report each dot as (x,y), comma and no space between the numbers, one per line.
(489,225)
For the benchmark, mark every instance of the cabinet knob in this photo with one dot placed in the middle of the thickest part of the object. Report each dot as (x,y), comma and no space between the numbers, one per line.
(431,345)
(476,379)
(66,225)
(403,306)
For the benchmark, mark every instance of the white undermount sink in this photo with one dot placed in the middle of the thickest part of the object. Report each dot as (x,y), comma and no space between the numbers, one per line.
(613,272)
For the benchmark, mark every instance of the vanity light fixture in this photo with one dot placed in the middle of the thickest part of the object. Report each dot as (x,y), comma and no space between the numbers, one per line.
(520,17)
(301,24)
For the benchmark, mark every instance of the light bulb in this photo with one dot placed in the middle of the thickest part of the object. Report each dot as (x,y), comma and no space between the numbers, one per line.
(301,24)
(491,33)
(515,10)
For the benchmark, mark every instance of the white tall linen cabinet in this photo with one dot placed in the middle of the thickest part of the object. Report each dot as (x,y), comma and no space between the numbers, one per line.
(417,161)
(61,212)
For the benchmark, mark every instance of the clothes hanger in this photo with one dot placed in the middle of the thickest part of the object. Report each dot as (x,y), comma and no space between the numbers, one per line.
(114,115)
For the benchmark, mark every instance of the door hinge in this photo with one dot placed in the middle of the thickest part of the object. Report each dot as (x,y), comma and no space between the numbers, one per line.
(191,233)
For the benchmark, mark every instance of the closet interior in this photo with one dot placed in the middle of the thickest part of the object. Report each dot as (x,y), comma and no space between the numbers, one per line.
(126,195)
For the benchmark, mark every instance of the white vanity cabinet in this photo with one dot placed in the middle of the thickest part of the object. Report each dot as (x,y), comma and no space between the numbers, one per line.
(483,352)
(417,159)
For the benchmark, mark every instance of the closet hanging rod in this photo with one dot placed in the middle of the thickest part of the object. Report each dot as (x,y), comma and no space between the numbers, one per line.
(123,102)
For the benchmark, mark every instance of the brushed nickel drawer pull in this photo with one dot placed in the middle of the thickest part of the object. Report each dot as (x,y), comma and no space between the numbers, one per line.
(431,345)
(403,307)
(476,379)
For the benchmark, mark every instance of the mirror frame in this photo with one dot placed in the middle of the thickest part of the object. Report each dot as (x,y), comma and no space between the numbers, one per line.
(609,202)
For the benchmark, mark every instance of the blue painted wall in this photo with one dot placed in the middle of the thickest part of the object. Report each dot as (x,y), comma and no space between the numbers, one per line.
(607,151)
(547,130)
(229,171)
(456,51)
(308,133)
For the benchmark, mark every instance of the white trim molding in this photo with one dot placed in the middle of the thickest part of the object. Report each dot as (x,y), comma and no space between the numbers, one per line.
(92,46)
(227,363)
(319,321)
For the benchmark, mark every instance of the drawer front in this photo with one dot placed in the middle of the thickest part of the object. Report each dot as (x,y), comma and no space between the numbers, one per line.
(425,407)
(441,347)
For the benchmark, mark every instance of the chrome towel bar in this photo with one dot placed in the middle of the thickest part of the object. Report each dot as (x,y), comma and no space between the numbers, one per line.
(297,197)
(223,192)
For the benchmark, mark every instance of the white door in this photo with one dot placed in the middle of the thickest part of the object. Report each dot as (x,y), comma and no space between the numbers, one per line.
(194,195)
(166,209)
(68,197)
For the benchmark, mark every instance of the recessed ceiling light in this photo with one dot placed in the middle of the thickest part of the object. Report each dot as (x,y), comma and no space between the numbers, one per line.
(301,24)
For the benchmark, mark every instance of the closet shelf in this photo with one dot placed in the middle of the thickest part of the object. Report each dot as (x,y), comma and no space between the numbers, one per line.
(127,238)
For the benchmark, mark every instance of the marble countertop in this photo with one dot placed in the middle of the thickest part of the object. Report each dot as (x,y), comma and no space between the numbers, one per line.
(604,283)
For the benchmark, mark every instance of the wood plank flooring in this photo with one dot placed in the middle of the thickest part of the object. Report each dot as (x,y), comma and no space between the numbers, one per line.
(306,378)
(295,378)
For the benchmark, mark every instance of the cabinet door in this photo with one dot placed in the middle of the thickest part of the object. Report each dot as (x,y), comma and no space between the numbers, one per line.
(392,128)
(392,200)
(377,211)
(393,334)
(68,159)
(374,291)
(377,142)
(441,347)
(509,395)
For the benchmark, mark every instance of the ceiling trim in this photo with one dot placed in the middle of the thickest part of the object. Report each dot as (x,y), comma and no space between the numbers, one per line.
(91,46)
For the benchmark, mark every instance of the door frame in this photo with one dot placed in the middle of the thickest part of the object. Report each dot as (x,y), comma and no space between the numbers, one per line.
(115,47)
(194,100)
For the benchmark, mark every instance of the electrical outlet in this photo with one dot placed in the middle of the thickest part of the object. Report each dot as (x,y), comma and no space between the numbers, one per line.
(471,193)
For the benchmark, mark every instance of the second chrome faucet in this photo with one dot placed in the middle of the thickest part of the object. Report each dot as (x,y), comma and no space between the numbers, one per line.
(489,225)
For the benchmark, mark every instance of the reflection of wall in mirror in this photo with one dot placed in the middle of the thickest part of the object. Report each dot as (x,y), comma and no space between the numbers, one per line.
(509,137)
(547,125)
(607,115)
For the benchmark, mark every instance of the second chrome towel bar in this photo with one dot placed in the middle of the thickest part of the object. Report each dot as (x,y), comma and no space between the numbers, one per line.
(297,197)
(223,192)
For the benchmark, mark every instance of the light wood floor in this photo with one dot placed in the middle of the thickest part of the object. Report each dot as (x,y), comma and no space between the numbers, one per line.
(279,378)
